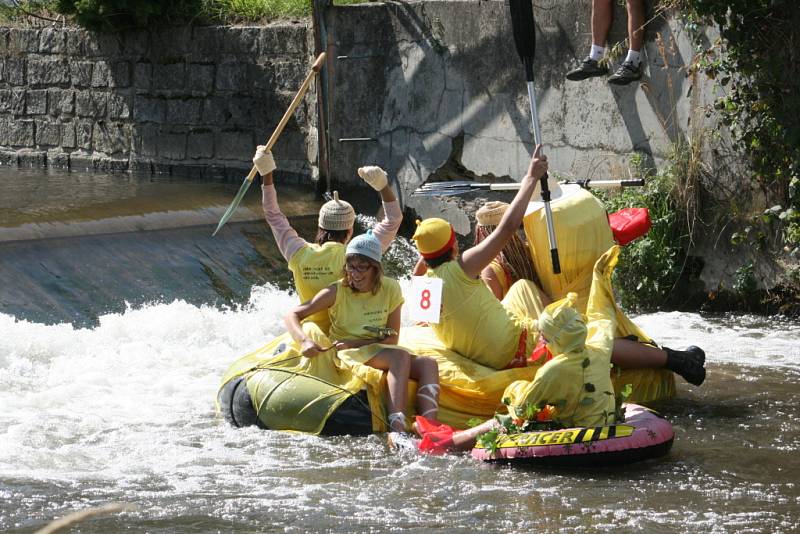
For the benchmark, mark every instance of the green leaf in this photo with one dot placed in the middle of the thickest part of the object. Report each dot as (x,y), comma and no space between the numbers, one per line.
(585,363)
(589,387)
(586,401)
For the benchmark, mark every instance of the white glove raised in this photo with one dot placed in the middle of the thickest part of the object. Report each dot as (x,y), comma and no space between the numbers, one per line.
(374,176)
(264,161)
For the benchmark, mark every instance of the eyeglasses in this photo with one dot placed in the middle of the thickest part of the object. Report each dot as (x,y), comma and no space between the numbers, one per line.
(360,268)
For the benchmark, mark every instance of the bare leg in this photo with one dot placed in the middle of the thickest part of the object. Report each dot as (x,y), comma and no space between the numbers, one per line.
(636,24)
(602,15)
(465,439)
(630,354)
(398,364)
(426,372)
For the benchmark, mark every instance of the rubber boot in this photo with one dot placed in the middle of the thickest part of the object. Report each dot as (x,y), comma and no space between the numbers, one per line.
(688,363)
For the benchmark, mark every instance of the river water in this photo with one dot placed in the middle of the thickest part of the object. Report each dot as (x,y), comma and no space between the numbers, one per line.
(119,314)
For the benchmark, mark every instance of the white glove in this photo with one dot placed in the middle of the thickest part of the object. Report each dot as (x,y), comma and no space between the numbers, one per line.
(374,176)
(264,161)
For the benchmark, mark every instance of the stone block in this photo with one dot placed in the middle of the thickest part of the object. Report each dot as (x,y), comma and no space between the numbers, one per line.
(5,129)
(139,165)
(36,102)
(234,145)
(184,111)
(120,75)
(80,161)
(57,158)
(75,41)
(206,42)
(142,76)
(215,111)
(48,133)
(119,106)
(27,157)
(289,75)
(200,79)
(172,145)
(15,71)
(111,138)
(200,144)
(4,33)
(21,133)
(68,138)
(262,78)
(52,41)
(169,77)
(100,74)
(8,157)
(48,71)
(101,44)
(17,102)
(91,104)
(5,100)
(83,134)
(241,41)
(232,77)
(145,139)
(81,73)
(109,165)
(149,109)
(243,112)
(170,42)
(23,41)
(60,101)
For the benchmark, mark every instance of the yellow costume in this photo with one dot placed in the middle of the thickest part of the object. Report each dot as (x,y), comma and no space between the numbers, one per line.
(583,235)
(502,276)
(477,325)
(314,268)
(576,381)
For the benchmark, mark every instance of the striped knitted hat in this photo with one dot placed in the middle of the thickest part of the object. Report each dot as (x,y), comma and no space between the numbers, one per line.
(490,213)
(336,214)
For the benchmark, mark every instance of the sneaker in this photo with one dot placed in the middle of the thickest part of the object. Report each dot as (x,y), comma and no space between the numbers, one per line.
(625,74)
(589,68)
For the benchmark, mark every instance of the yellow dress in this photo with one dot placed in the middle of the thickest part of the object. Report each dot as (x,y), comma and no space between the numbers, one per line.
(577,382)
(314,268)
(479,327)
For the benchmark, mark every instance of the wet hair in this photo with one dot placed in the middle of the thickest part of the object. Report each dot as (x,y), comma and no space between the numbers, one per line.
(323,236)
(515,256)
(441,259)
(372,263)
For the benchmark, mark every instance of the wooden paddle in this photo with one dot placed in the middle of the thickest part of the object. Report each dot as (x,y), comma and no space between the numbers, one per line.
(524,27)
(315,68)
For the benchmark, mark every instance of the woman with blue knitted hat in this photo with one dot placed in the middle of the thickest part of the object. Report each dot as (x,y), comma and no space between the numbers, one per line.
(316,265)
(364,309)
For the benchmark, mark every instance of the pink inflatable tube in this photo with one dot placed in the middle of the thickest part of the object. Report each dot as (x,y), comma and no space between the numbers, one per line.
(643,435)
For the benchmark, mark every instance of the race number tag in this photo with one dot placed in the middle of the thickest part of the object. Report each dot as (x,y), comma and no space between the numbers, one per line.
(425,301)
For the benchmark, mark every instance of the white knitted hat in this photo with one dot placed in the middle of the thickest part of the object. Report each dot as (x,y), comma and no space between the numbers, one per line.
(367,245)
(336,214)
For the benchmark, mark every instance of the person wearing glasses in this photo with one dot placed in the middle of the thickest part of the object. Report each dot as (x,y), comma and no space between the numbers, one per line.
(317,265)
(364,309)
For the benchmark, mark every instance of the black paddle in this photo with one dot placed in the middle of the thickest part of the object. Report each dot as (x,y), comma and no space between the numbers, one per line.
(524,29)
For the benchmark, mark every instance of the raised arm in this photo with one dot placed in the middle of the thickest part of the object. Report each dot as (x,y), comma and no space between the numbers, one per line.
(321,301)
(385,230)
(475,259)
(285,236)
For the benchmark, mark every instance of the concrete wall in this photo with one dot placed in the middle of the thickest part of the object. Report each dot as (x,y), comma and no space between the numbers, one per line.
(192,100)
(438,88)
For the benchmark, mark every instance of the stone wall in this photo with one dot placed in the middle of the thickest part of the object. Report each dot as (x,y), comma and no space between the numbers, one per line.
(437,88)
(193,100)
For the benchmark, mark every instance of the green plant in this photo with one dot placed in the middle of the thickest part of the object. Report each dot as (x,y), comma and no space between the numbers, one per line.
(745,280)
(122,14)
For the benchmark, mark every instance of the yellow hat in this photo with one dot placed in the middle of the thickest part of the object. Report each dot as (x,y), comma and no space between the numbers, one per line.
(562,326)
(434,237)
(490,213)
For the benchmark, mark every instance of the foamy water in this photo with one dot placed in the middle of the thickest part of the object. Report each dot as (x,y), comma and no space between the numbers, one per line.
(124,411)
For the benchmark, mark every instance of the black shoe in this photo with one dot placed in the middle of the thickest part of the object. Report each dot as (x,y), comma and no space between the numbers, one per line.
(589,68)
(688,363)
(626,73)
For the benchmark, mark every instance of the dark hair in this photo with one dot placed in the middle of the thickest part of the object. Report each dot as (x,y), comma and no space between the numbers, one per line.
(441,259)
(323,236)
(372,263)
(515,255)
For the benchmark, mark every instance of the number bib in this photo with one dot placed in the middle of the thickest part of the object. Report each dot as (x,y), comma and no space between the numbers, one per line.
(425,300)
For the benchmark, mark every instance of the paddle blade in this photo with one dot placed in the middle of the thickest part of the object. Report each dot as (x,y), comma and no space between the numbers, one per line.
(235,204)
(524,29)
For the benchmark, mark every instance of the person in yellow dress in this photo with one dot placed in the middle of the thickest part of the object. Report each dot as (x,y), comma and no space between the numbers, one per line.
(473,322)
(317,265)
(574,387)
(360,305)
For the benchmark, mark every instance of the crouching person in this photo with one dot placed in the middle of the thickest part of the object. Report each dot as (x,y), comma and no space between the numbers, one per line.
(365,309)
